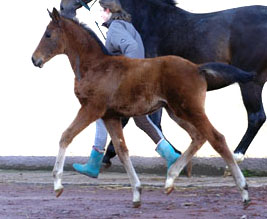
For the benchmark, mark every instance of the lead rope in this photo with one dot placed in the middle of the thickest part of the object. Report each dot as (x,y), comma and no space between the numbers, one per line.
(88,8)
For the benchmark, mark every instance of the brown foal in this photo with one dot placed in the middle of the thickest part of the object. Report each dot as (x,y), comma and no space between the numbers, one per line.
(110,87)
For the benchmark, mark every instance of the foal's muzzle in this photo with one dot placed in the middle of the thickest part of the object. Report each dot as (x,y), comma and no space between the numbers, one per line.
(37,62)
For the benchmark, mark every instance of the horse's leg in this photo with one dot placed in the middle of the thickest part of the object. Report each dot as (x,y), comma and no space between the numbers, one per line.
(115,130)
(252,98)
(197,141)
(82,120)
(217,140)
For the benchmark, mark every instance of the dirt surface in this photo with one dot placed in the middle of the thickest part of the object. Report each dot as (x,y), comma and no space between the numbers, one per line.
(29,194)
(77,201)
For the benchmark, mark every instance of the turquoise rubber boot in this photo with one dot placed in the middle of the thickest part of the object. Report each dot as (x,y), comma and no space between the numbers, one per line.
(92,167)
(166,151)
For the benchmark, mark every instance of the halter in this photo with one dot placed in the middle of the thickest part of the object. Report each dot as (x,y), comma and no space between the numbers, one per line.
(88,8)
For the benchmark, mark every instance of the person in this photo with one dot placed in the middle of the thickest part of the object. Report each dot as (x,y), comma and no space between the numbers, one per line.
(123,39)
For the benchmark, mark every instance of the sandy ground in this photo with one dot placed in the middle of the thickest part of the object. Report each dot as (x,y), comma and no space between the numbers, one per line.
(28,201)
(29,194)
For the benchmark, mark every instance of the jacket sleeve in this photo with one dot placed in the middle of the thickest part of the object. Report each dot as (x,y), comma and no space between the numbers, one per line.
(121,40)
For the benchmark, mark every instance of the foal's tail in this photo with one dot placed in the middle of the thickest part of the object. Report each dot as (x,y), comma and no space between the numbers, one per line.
(219,75)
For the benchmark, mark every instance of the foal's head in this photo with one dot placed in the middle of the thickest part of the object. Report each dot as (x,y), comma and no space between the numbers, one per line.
(66,36)
(52,42)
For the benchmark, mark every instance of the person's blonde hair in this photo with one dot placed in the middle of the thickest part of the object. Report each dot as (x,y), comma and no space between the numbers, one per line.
(118,13)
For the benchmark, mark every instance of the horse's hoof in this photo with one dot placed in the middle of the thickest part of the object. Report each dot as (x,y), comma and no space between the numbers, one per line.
(137,204)
(246,203)
(58,192)
(169,190)
(107,165)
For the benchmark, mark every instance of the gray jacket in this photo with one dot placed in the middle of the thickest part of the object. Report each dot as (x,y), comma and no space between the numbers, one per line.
(123,39)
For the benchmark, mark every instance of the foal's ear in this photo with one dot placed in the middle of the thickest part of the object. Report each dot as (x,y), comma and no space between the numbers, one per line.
(54,15)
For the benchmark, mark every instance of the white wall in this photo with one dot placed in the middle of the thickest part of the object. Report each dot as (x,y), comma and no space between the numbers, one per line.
(37,105)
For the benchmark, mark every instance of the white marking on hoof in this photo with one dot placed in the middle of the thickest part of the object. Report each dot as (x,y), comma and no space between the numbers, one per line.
(245,196)
(239,157)
(169,185)
(137,195)
(58,185)
(169,182)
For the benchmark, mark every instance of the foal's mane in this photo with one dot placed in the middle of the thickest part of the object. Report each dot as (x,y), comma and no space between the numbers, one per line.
(91,33)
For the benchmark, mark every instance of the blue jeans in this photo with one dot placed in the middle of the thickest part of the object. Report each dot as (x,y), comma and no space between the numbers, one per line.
(156,118)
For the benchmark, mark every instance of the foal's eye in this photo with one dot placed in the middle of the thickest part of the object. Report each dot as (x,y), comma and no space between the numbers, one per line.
(47,35)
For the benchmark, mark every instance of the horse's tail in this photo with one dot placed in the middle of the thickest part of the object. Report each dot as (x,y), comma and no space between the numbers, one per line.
(219,75)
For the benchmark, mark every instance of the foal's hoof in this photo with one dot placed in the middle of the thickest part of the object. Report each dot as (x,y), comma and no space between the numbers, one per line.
(169,190)
(137,204)
(58,192)
(246,203)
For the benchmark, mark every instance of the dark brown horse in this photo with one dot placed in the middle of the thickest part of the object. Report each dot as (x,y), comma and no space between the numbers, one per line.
(236,36)
(110,87)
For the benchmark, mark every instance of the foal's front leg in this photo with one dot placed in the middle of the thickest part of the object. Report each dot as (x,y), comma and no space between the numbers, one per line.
(115,130)
(82,120)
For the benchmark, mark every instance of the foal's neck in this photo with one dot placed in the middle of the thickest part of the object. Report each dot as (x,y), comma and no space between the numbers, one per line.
(81,49)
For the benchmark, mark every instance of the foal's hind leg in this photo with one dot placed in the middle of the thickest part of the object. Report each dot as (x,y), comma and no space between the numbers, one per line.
(82,120)
(217,141)
(197,141)
(193,133)
(115,130)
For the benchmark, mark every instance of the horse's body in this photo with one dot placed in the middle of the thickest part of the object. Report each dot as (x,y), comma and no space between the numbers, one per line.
(235,36)
(110,87)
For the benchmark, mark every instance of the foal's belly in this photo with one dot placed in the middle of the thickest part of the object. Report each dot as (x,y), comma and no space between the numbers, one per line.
(140,107)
